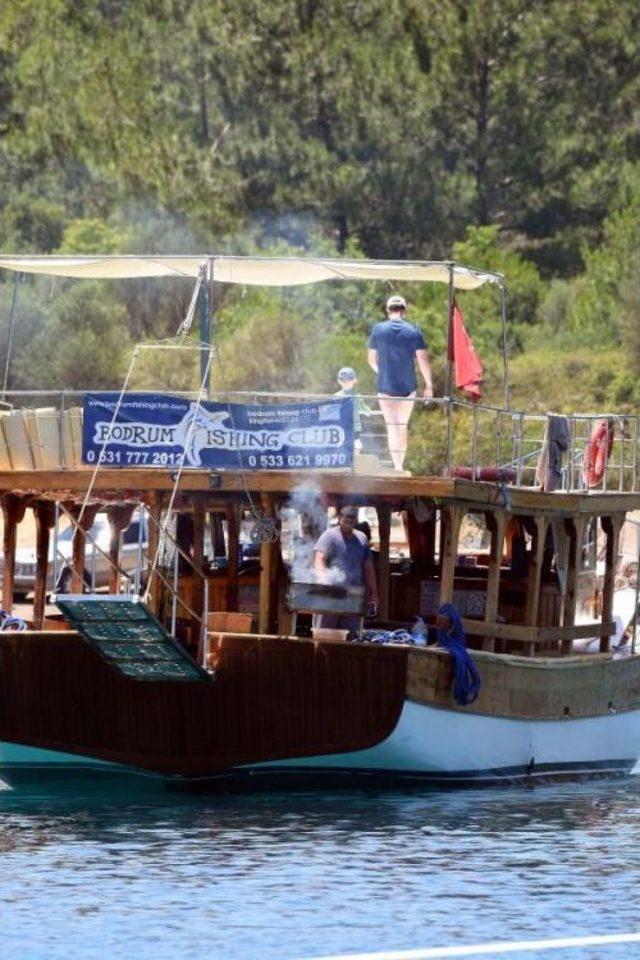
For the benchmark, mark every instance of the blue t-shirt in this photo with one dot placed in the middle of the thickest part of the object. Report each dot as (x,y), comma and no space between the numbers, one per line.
(396,342)
(348,554)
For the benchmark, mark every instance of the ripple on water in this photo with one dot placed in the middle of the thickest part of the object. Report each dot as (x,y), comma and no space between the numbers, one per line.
(279,877)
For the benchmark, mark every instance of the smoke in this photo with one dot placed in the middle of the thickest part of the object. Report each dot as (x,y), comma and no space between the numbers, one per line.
(311,513)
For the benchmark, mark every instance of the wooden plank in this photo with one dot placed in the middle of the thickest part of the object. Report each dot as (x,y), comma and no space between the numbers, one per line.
(539,536)
(497,523)
(384,568)
(144,480)
(528,634)
(612,526)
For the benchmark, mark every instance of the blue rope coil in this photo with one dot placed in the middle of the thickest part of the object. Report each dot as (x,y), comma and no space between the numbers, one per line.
(466,679)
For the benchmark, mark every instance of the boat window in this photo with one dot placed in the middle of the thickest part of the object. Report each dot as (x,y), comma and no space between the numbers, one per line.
(475,536)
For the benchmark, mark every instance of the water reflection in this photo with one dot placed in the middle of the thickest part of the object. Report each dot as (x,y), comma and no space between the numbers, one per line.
(284,876)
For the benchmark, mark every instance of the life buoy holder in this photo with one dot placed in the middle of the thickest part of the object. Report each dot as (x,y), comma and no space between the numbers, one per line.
(488,474)
(597,451)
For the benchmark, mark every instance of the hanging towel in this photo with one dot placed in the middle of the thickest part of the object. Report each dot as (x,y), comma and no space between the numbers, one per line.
(466,679)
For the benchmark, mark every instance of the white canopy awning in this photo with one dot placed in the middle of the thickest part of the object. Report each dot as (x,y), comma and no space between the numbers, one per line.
(250,271)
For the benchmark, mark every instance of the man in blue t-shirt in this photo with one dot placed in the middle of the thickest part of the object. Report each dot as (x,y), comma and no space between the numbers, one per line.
(342,555)
(394,347)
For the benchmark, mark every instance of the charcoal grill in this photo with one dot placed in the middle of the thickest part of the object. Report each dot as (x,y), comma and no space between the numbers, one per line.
(326,598)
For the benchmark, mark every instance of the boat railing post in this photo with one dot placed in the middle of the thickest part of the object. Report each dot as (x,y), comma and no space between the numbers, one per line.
(474,442)
(56,526)
(570,454)
(449,411)
(136,575)
(174,596)
(93,565)
(623,440)
(520,464)
(634,474)
(635,612)
(63,460)
(205,623)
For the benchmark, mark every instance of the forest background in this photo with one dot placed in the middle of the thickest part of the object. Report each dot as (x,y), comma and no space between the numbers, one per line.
(501,133)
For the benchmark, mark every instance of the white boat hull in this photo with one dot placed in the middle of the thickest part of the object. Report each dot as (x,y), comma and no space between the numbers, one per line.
(450,745)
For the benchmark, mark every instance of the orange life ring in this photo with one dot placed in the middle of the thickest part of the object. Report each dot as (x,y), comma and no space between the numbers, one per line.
(596,452)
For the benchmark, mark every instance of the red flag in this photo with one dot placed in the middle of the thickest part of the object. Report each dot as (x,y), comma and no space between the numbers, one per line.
(468,365)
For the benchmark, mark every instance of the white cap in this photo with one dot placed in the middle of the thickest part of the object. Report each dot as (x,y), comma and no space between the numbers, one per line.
(396,302)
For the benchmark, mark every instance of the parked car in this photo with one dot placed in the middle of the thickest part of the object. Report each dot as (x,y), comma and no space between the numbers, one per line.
(97,567)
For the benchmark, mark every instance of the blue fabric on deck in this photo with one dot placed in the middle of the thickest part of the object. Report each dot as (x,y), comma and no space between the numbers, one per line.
(466,679)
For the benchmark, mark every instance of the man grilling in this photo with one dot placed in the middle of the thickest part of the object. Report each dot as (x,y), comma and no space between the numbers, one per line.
(342,555)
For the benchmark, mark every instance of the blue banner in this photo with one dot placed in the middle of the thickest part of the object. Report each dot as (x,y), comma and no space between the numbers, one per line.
(158,430)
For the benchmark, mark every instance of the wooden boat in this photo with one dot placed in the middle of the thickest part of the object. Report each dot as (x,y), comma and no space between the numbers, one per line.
(186,690)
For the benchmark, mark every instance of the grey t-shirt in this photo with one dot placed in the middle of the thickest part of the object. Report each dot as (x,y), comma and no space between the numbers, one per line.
(347,554)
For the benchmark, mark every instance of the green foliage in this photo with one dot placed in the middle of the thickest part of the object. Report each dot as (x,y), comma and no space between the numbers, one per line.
(606,307)
(89,236)
(83,344)
(503,135)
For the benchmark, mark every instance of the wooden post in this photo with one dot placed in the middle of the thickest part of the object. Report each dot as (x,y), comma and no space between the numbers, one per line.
(233,535)
(155,516)
(497,523)
(79,547)
(13,510)
(612,527)
(384,568)
(451,519)
(539,529)
(45,515)
(575,528)
(269,569)
(119,516)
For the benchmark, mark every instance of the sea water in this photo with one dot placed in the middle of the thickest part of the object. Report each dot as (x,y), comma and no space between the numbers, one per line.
(87,872)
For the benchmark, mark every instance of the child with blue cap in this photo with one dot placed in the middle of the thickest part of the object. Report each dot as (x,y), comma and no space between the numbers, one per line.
(348,378)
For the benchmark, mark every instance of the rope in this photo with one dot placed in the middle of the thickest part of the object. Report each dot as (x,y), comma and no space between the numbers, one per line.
(176,481)
(12,319)
(466,679)
(104,445)
(265,529)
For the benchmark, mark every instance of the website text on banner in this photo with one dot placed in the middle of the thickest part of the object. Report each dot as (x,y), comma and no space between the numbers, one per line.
(158,430)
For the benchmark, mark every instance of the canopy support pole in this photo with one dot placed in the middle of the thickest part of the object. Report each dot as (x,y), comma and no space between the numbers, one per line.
(451,297)
(12,321)
(450,365)
(206,318)
(505,346)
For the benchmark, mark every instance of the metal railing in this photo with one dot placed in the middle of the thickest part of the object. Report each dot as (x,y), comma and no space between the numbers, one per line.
(458,434)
